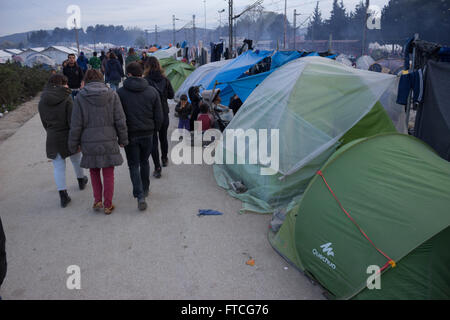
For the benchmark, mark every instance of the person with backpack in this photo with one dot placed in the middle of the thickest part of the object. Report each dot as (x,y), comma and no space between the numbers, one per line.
(154,74)
(142,106)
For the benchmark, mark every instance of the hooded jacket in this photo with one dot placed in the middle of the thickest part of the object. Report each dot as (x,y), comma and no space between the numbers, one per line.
(98,125)
(164,87)
(114,71)
(55,110)
(142,106)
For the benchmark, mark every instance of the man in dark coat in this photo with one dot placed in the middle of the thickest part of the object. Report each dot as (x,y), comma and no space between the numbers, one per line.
(74,74)
(155,77)
(114,71)
(55,111)
(142,106)
(194,96)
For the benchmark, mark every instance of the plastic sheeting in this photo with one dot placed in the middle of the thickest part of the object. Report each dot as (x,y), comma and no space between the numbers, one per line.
(364,62)
(37,59)
(311,97)
(197,75)
(312,102)
(282,57)
(161,54)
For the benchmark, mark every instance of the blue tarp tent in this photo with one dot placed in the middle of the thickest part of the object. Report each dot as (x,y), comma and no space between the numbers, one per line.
(232,71)
(283,57)
(243,87)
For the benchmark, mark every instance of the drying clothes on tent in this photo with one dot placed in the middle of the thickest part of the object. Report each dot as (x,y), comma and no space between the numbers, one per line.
(410,81)
(433,115)
(216,51)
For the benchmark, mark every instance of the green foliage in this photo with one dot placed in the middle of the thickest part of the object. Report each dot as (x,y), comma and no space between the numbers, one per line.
(19,84)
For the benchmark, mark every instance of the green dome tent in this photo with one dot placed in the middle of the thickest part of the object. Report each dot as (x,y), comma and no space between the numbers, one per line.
(176,71)
(317,104)
(376,200)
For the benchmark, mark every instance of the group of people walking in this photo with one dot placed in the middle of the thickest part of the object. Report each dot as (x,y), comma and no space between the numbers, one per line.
(90,127)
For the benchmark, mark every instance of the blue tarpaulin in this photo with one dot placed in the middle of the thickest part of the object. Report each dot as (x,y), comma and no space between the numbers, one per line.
(243,87)
(282,57)
(232,71)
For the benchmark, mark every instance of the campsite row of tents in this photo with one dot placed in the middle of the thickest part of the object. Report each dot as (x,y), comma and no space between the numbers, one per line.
(351,189)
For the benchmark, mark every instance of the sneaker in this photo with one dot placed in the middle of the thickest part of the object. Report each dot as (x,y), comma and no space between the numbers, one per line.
(109,210)
(157,173)
(97,206)
(165,162)
(64,197)
(142,205)
(82,182)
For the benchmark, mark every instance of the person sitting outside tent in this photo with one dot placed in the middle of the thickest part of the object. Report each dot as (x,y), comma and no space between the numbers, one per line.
(83,62)
(205,117)
(95,62)
(184,109)
(235,104)
(132,56)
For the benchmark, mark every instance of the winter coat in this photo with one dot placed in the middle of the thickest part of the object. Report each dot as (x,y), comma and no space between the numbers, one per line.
(74,74)
(114,71)
(131,58)
(95,63)
(98,126)
(82,61)
(184,113)
(3,264)
(55,110)
(164,87)
(142,106)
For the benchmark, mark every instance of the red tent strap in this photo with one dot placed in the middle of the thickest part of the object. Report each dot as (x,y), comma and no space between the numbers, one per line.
(390,261)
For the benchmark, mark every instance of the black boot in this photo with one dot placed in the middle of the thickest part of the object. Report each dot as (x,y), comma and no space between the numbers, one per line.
(82,182)
(65,199)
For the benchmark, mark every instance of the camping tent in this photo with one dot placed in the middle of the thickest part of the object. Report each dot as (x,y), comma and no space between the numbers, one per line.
(232,71)
(40,59)
(167,53)
(364,62)
(315,104)
(381,201)
(176,71)
(58,53)
(5,56)
(197,75)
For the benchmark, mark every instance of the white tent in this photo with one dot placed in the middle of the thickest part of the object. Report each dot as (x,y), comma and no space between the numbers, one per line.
(364,62)
(39,59)
(171,52)
(342,58)
(57,53)
(13,51)
(25,54)
(5,56)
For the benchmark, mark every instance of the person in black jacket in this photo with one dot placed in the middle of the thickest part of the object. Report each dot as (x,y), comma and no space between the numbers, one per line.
(74,74)
(155,77)
(184,110)
(142,106)
(3,264)
(114,71)
(194,96)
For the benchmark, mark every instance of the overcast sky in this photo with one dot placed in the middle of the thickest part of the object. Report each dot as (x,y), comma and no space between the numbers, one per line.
(21,16)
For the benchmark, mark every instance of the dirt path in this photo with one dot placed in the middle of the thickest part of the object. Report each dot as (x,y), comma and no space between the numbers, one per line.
(13,120)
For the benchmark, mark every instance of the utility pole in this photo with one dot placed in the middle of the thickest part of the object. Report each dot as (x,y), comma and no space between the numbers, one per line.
(204,34)
(146,37)
(174,32)
(363,47)
(76,35)
(285,24)
(230,27)
(156,34)
(295,27)
(193,29)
